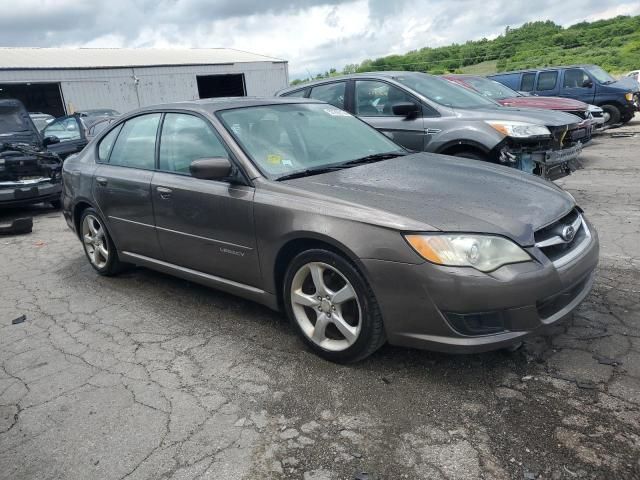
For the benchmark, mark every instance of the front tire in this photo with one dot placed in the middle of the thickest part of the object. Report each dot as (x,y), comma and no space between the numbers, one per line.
(332,307)
(98,245)
(611,114)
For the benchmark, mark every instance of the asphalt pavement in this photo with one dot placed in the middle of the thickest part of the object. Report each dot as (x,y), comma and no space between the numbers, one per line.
(144,376)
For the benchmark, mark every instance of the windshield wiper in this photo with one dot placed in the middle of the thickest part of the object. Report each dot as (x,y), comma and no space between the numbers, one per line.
(376,157)
(309,171)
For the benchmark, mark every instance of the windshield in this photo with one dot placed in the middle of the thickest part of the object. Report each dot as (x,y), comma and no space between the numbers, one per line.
(12,120)
(490,88)
(444,92)
(600,75)
(289,138)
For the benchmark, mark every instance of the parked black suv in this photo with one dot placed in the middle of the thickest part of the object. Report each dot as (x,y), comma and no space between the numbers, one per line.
(28,172)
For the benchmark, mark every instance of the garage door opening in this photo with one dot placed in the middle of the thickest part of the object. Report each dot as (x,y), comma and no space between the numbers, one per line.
(212,86)
(36,97)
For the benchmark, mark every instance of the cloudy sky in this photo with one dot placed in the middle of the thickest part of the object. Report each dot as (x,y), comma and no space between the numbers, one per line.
(314,35)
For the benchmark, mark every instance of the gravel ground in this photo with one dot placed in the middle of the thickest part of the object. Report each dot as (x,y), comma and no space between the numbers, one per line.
(145,376)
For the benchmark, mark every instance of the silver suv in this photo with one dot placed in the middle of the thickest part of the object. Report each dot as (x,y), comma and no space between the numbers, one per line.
(426,113)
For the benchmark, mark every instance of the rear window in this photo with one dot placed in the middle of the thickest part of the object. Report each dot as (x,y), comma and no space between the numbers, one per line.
(547,80)
(528,80)
(298,93)
(332,93)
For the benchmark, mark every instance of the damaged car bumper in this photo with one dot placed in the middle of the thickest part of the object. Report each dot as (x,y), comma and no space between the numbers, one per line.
(548,163)
(28,175)
(22,192)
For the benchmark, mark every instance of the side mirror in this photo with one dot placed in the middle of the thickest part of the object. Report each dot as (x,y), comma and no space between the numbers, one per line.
(210,168)
(587,83)
(406,109)
(50,140)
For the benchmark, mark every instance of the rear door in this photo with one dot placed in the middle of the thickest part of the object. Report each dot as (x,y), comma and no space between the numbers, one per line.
(575,84)
(204,225)
(373,103)
(527,82)
(122,184)
(70,131)
(547,83)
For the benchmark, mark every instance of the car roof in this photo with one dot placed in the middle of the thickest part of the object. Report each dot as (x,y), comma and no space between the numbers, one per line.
(226,103)
(543,69)
(381,74)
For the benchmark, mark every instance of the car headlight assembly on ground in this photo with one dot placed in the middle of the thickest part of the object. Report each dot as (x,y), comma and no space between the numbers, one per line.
(482,252)
(519,129)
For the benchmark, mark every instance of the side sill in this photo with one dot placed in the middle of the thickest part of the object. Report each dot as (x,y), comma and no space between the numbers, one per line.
(219,283)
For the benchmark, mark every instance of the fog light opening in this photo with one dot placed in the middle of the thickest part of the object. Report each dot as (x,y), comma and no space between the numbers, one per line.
(476,324)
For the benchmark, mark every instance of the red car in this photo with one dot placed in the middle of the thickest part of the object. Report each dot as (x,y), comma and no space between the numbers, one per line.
(510,98)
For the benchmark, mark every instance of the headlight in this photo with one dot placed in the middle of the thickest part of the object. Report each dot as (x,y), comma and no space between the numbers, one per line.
(629,97)
(482,252)
(519,129)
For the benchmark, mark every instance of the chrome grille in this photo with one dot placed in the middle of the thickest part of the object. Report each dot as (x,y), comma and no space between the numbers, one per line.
(564,240)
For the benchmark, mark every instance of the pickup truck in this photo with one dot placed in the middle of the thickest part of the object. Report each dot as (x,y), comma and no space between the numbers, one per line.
(587,83)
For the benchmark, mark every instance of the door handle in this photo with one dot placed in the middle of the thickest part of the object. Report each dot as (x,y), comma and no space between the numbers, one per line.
(101,181)
(164,192)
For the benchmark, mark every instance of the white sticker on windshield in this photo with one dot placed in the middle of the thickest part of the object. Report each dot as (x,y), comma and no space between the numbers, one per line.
(336,112)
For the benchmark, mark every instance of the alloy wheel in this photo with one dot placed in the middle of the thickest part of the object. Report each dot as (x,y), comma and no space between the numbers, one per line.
(95,241)
(326,306)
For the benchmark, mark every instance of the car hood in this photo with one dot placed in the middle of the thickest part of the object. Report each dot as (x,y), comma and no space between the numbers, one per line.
(626,83)
(550,118)
(438,192)
(546,103)
(15,124)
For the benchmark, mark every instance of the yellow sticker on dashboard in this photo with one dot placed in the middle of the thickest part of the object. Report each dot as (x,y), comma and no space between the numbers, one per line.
(274,159)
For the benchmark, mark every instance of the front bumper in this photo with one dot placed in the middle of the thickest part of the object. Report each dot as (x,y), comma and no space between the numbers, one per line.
(417,300)
(24,192)
(546,163)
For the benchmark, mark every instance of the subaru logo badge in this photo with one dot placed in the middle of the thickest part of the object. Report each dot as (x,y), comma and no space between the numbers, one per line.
(568,233)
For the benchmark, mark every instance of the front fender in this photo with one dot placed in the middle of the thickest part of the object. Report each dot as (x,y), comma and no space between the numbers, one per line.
(483,138)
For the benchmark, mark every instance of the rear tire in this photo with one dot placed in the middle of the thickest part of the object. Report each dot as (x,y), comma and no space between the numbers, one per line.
(98,245)
(332,307)
(611,114)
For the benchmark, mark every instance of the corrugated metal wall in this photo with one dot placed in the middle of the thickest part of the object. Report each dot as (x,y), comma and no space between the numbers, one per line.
(118,88)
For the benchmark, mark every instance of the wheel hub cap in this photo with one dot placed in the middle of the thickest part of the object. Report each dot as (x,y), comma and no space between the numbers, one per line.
(325,306)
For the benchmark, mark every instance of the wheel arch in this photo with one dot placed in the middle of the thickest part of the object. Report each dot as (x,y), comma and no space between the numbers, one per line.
(457,146)
(79,207)
(304,241)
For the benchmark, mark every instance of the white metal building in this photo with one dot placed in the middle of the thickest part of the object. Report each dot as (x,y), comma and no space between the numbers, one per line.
(62,80)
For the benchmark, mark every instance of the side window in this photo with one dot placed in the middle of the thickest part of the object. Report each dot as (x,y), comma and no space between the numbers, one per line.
(106,144)
(136,144)
(332,93)
(376,99)
(298,93)
(527,83)
(547,80)
(574,78)
(186,138)
(65,129)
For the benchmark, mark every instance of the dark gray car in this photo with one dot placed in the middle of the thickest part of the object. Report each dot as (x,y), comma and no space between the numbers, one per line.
(302,207)
(427,113)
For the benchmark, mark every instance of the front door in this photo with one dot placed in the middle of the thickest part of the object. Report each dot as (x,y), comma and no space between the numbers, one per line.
(204,225)
(373,103)
(577,84)
(122,184)
(70,131)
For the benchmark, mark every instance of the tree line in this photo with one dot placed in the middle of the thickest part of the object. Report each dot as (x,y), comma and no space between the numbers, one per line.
(614,44)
